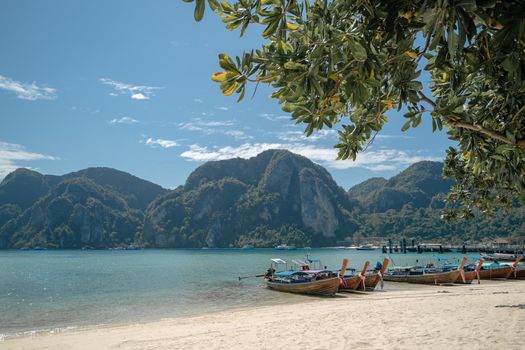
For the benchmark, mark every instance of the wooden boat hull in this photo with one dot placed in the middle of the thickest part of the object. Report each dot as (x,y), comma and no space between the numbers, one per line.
(352,283)
(327,286)
(430,278)
(489,274)
(469,277)
(372,280)
(520,273)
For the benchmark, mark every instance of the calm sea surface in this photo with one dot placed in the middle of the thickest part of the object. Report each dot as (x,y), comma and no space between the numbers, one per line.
(46,290)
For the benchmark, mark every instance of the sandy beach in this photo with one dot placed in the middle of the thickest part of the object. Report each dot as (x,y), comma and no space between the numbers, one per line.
(486,316)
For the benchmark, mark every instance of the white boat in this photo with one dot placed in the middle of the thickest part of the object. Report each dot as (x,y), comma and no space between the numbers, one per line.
(499,257)
(366,247)
(247,247)
(285,247)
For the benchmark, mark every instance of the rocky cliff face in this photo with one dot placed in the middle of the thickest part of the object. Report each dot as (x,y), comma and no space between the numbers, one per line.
(277,190)
(96,207)
(273,198)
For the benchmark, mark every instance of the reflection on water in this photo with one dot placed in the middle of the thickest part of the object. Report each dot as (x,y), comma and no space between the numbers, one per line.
(50,289)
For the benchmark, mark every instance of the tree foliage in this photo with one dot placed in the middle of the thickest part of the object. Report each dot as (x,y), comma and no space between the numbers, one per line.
(345,63)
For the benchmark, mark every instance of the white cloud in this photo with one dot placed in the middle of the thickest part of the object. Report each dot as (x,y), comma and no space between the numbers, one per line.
(136,92)
(12,154)
(207,127)
(299,136)
(238,134)
(247,150)
(274,118)
(139,96)
(222,108)
(198,100)
(380,160)
(161,143)
(123,120)
(27,91)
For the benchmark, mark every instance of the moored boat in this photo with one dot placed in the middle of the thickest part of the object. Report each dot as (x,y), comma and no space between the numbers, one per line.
(372,278)
(495,270)
(352,281)
(301,282)
(366,247)
(500,257)
(424,275)
(285,247)
(313,282)
(470,272)
(518,270)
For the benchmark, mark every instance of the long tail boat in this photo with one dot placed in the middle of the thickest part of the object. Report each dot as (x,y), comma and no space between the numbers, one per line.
(471,273)
(517,272)
(314,282)
(425,275)
(496,270)
(352,282)
(372,278)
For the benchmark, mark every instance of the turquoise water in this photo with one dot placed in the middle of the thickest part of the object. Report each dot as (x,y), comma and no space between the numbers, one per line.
(45,290)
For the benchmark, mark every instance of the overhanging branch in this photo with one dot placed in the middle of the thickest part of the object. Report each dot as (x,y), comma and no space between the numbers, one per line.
(496,135)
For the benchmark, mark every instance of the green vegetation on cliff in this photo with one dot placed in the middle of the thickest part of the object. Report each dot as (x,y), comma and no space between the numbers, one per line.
(273,198)
(96,207)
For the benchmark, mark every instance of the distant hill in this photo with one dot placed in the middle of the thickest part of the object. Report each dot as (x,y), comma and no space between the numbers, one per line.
(276,197)
(420,186)
(273,198)
(95,207)
(138,193)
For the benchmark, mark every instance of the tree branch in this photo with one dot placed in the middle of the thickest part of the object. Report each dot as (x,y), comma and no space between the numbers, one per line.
(426,99)
(490,133)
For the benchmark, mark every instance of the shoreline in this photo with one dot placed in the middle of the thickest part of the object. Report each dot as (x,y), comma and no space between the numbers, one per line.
(464,316)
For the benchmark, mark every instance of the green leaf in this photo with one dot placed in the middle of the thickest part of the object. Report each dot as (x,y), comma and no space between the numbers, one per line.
(501,149)
(200,5)
(467,5)
(214,4)
(417,121)
(406,125)
(439,123)
(271,28)
(358,51)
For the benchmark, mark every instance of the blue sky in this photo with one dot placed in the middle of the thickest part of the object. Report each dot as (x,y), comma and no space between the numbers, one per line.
(126,84)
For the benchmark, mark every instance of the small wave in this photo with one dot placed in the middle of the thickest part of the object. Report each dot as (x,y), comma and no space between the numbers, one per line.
(35,332)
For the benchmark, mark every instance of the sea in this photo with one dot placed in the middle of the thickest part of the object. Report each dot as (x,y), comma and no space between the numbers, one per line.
(57,290)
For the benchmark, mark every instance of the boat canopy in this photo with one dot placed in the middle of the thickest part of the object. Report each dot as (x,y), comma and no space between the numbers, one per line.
(401,268)
(290,273)
(317,271)
(493,264)
(279,261)
(450,265)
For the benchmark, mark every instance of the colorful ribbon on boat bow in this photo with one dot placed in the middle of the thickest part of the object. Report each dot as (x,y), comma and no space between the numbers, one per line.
(362,274)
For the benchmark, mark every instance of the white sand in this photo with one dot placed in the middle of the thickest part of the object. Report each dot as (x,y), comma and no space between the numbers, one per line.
(456,317)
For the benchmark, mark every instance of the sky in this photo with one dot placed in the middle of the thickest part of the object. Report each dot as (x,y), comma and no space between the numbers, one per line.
(126,84)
